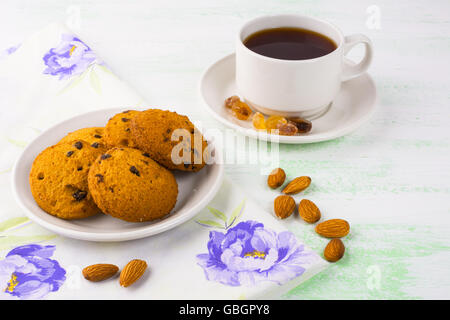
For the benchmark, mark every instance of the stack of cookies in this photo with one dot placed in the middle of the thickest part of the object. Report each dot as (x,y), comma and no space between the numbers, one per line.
(123,169)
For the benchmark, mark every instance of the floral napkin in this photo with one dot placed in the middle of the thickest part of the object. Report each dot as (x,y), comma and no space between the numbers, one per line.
(231,250)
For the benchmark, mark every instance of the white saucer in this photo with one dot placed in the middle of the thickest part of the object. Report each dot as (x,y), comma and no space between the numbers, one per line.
(195,190)
(354,105)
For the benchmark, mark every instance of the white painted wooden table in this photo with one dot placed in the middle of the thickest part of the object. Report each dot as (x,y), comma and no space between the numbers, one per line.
(390,179)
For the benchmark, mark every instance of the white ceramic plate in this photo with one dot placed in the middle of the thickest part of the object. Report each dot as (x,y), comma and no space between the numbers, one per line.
(195,191)
(354,105)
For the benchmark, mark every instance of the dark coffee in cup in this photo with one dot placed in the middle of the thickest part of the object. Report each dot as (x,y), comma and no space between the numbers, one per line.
(290,43)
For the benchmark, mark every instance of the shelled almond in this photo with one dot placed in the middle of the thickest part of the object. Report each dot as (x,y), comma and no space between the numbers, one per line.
(284,206)
(276,178)
(297,185)
(132,272)
(334,228)
(334,251)
(99,272)
(308,211)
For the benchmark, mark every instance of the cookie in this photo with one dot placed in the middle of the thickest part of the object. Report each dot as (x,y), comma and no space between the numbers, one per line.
(126,184)
(117,130)
(59,179)
(170,139)
(92,135)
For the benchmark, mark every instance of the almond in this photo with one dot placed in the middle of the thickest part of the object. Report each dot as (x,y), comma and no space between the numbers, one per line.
(132,271)
(308,211)
(276,178)
(283,206)
(99,272)
(334,250)
(334,228)
(297,185)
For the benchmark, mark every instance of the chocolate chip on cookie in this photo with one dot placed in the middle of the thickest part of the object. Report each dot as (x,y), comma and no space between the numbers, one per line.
(79,195)
(135,171)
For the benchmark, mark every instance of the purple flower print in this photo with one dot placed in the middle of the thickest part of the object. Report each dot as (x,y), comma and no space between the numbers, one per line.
(248,253)
(6,52)
(11,50)
(27,272)
(71,57)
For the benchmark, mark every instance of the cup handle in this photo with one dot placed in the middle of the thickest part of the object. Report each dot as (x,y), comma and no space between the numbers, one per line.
(352,71)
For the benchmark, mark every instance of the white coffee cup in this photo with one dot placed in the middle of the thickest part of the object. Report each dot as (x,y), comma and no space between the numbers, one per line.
(296,87)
